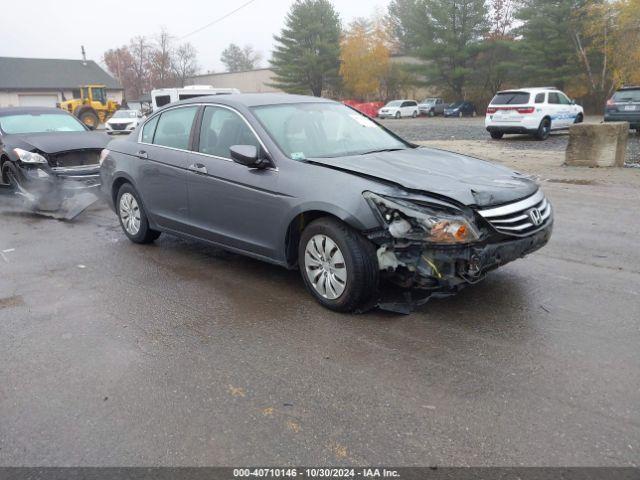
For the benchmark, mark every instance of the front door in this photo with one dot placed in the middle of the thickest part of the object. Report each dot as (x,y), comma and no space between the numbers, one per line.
(165,158)
(230,203)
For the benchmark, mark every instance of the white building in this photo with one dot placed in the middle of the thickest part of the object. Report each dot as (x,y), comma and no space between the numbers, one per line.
(44,82)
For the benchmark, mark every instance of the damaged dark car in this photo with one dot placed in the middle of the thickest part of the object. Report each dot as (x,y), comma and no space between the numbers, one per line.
(311,184)
(49,158)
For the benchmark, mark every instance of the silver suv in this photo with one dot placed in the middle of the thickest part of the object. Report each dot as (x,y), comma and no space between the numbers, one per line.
(432,106)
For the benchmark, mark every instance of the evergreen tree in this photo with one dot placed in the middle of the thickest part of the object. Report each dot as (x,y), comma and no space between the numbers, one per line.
(306,57)
(445,34)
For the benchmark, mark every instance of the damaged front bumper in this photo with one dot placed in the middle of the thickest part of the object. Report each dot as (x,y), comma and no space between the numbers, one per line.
(58,192)
(442,270)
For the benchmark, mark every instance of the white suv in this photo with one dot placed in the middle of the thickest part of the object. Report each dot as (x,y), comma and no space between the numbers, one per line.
(536,111)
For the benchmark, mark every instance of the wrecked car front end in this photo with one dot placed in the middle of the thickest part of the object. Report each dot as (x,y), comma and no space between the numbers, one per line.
(439,247)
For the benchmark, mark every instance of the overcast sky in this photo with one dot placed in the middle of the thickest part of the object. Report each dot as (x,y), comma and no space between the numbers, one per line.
(56,29)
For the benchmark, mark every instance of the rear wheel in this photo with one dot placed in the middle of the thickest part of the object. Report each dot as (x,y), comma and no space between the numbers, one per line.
(89,118)
(338,266)
(496,135)
(132,216)
(544,130)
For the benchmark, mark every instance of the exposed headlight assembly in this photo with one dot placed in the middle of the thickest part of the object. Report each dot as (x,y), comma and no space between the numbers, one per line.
(29,157)
(409,221)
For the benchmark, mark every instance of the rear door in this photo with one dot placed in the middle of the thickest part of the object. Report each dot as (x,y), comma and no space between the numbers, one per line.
(230,203)
(165,159)
(557,111)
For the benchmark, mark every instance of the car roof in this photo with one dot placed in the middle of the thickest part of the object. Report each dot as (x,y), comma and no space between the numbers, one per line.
(254,99)
(530,90)
(630,87)
(19,110)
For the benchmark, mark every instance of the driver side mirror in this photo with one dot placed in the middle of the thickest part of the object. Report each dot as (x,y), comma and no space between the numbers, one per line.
(247,155)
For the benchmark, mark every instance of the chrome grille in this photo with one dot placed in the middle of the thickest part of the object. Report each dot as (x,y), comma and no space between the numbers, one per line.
(522,217)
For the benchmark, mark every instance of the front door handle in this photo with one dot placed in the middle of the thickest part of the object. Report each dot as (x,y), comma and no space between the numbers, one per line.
(198,168)
(143,154)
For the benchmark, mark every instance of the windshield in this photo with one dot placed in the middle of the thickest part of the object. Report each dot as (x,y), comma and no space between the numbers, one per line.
(511,98)
(395,103)
(456,104)
(38,123)
(429,100)
(308,130)
(627,96)
(125,114)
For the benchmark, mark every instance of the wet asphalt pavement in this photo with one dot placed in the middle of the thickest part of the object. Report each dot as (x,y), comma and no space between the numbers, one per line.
(425,129)
(178,353)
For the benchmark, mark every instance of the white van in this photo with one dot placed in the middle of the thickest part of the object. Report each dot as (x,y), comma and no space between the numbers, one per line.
(165,96)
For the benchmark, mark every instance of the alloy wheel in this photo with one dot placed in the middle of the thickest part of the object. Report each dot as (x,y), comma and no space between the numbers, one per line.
(130,213)
(325,266)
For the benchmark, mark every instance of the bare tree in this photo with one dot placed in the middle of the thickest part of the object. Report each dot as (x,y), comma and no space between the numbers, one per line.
(185,64)
(161,60)
(140,50)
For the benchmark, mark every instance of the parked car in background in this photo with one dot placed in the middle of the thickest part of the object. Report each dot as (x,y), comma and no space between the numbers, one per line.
(123,121)
(432,106)
(533,111)
(308,183)
(624,106)
(399,109)
(460,109)
(47,153)
(164,96)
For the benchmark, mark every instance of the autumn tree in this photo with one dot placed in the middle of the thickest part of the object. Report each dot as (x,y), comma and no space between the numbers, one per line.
(365,59)
(119,62)
(306,56)
(238,59)
(161,60)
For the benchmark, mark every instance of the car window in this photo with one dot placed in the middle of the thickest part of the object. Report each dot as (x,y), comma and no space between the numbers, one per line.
(221,129)
(511,98)
(627,96)
(40,123)
(540,98)
(308,130)
(174,128)
(554,98)
(149,129)
(564,100)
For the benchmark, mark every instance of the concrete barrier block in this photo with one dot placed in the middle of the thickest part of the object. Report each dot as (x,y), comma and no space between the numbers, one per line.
(597,145)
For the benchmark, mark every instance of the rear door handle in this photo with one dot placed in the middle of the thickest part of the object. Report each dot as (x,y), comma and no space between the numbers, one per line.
(143,154)
(198,168)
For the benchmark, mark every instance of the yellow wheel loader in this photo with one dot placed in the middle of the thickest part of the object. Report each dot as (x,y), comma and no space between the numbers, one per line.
(93,107)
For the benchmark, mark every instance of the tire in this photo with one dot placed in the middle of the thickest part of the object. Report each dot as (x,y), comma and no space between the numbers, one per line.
(398,115)
(460,114)
(579,118)
(544,130)
(9,174)
(496,135)
(88,117)
(474,114)
(321,261)
(128,206)
(414,114)
(432,113)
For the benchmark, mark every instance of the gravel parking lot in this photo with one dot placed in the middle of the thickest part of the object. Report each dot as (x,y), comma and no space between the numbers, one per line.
(438,128)
(178,353)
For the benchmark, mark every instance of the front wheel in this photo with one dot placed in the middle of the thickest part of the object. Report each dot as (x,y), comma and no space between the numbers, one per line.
(132,216)
(496,135)
(579,118)
(432,113)
(544,130)
(339,267)
(398,115)
(414,114)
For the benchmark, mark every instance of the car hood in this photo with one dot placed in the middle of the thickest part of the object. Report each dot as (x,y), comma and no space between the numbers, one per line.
(467,180)
(118,121)
(55,142)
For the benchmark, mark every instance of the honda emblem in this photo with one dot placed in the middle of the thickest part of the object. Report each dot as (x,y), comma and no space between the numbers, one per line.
(535,216)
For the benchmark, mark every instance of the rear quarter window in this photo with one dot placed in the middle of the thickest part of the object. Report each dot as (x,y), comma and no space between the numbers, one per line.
(540,98)
(511,98)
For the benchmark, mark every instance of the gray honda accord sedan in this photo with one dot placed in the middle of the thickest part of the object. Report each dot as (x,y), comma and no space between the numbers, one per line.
(309,183)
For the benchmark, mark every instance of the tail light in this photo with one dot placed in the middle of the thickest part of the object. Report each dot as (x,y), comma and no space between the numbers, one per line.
(491,110)
(526,110)
(610,102)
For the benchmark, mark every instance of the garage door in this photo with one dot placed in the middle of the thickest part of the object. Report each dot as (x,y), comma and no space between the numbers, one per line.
(37,100)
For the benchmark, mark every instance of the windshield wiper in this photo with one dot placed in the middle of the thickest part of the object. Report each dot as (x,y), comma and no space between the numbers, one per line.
(382,150)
